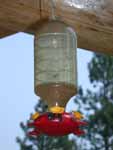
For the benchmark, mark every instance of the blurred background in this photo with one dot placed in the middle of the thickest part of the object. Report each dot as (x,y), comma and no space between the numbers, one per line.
(18,101)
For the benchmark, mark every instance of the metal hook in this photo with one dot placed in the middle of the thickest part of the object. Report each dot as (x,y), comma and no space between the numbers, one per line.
(53,6)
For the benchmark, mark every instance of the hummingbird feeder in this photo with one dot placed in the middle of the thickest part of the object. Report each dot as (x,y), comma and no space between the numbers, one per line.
(55,79)
(55,63)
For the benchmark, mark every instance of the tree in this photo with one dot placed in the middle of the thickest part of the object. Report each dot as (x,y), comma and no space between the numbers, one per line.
(44,142)
(99,104)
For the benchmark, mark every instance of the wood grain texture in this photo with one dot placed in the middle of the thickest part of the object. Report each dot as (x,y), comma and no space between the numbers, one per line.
(18,15)
(91,19)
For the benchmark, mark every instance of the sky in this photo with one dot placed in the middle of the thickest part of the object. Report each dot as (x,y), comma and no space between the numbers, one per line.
(17,85)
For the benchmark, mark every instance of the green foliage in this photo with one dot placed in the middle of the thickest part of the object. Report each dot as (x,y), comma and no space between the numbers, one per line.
(98,107)
(99,104)
(101,69)
(44,142)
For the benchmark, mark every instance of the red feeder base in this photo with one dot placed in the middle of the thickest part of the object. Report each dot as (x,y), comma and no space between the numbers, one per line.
(56,125)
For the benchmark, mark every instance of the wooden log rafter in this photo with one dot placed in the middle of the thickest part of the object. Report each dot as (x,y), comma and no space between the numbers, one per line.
(92,20)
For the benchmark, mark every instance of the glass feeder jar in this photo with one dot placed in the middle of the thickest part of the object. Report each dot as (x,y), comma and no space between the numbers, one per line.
(55,63)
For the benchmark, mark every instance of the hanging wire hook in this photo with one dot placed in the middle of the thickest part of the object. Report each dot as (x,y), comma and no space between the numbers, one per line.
(53,7)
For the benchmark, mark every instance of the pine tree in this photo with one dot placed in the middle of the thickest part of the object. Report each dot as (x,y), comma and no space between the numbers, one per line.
(100,102)
(44,142)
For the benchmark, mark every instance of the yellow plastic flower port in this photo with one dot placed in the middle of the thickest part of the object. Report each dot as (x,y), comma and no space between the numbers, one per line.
(35,116)
(57,109)
(78,115)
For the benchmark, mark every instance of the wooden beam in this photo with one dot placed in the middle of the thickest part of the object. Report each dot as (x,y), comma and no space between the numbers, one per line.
(18,15)
(6,32)
(92,20)
(93,23)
